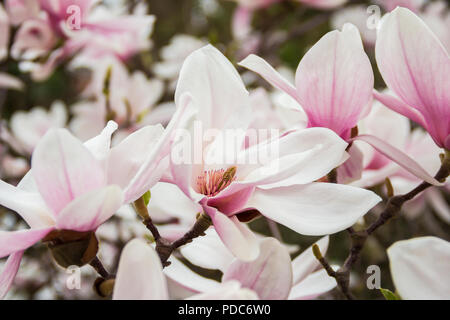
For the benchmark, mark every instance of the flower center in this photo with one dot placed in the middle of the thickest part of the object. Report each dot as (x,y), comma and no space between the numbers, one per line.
(211,182)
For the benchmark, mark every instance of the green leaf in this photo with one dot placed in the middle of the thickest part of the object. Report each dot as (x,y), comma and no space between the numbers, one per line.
(147,197)
(389,295)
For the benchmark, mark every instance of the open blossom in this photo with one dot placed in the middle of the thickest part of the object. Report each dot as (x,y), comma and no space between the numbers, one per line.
(140,277)
(272,275)
(389,125)
(333,85)
(225,182)
(419,268)
(416,67)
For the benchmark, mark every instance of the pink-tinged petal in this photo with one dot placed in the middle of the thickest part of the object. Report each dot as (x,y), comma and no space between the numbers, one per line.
(9,82)
(9,272)
(208,252)
(236,236)
(269,275)
(334,81)
(29,205)
(416,66)
(419,268)
(313,286)
(265,70)
(306,262)
(64,169)
(399,157)
(125,159)
(139,276)
(13,241)
(90,210)
(399,106)
(230,290)
(315,208)
(154,167)
(351,169)
(299,157)
(187,278)
(217,90)
(232,199)
(99,145)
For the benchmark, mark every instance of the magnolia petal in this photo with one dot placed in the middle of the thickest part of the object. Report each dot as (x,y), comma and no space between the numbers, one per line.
(208,252)
(419,268)
(99,145)
(90,210)
(64,169)
(269,275)
(399,157)
(230,290)
(301,156)
(13,241)
(125,159)
(399,106)
(187,278)
(29,205)
(139,276)
(265,70)
(416,66)
(315,208)
(306,262)
(9,272)
(236,236)
(154,166)
(334,81)
(217,90)
(312,286)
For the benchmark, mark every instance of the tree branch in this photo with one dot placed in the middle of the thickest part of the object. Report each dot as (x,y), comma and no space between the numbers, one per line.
(358,238)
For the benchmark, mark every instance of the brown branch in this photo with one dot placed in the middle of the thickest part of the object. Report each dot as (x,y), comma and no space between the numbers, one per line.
(164,247)
(358,238)
(98,266)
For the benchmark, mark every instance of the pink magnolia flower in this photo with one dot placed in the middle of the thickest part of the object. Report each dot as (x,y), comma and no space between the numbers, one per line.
(389,125)
(76,187)
(413,5)
(140,277)
(21,10)
(419,268)
(272,275)
(333,85)
(416,67)
(223,180)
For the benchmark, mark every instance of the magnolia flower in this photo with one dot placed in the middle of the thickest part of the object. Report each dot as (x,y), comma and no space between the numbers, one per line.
(140,277)
(419,268)
(275,177)
(4,33)
(21,10)
(272,275)
(416,67)
(334,83)
(389,125)
(73,188)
